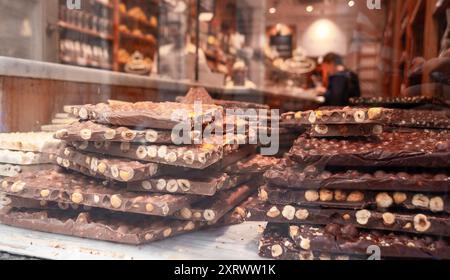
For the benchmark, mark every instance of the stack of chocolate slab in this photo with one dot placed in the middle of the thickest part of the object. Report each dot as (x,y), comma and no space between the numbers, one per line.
(348,189)
(30,151)
(122,178)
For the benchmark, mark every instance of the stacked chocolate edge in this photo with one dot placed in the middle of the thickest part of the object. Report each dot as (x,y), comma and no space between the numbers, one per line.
(361,183)
(123,180)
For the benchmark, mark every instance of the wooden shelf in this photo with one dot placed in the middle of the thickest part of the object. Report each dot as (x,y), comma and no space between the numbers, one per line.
(419,8)
(92,33)
(126,35)
(139,21)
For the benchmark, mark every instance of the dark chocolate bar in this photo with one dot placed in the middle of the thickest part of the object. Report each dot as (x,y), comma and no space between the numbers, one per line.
(98,225)
(51,185)
(417,119)
(276,244)
(417,149)
(288,175)
(357,200)
(345,130)
(348,240)
(397,101)
(196,157)
(213,209)
(253,164)
(365,219)
(164,115)
(90,131)
(345,115)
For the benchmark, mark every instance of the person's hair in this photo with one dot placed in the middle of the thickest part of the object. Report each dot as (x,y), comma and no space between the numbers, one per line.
(333,58)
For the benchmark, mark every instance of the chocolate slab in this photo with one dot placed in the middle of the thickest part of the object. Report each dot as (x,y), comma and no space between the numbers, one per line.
(213,209)
(205,187)
(38,142)
(365,219)
(396,102)
(288,175)
(348,240)
(417,149)
(24,158)
(196,157)
(90,131)
(417,119)
(164,115)
(345,115)
(358,200)
(64,187)
(254,164)
(276,244)
(9,170)
(345,130)
(117,169)
(98,225)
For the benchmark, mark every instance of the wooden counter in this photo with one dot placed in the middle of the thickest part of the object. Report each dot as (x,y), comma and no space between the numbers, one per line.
(31,92)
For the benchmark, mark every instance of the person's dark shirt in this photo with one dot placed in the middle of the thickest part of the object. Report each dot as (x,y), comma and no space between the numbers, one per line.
(341,87)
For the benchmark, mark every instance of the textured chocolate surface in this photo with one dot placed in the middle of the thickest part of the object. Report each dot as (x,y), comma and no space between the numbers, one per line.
(164,115)
(90,131)
(396,102)
(117,169)
(276,244)
(213,209)
(63,187)
(416,149)
(364,219)
(98,225)
(345,115)
(417,119)
(348,240)
(345,130)
(8,170)
(253,164)
(289,175)
(357,200)
(197,156)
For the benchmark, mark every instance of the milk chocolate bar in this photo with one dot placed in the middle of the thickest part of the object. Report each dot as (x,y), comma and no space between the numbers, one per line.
(42,142)
(57,186)
(253,164)
(417,119)
(348,240)
(345,115)
(358,200)
(365,219)
(345,130)
(164,115)
(24,158)
(397,101)
(288,175)
(276,244)
(98,225)
(117,169)
(417,149)
(212,209)
(90,131)
(196,157)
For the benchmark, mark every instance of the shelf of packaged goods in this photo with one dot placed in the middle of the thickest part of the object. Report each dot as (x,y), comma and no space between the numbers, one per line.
(92,33)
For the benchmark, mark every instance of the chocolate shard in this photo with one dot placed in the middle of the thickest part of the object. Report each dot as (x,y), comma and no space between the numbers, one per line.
(348,240)
(196,157)
(397,101)
(61,187)
(164,115)
(276,244)
(429,149)
(83,131)
(38,142)
(213,209)
(345,130)
(24,158)
(98,225)
(358,200)
(364,219)
(9,170)
(289,175)
(253,164)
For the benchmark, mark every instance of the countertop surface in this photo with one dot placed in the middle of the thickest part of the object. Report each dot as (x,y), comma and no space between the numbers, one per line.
(239,242)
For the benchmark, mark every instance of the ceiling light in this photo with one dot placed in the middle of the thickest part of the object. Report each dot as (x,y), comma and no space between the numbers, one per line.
(351,3)
(272,10)
(309,8)
(205,16)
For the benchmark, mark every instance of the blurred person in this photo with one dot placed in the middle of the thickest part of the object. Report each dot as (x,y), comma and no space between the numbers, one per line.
(339,83)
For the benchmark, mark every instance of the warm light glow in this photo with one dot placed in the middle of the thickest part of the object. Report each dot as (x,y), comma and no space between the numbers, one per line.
(323,29)
(205,16)
(351,3)
(310,8)
(273,10)
(324,36)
